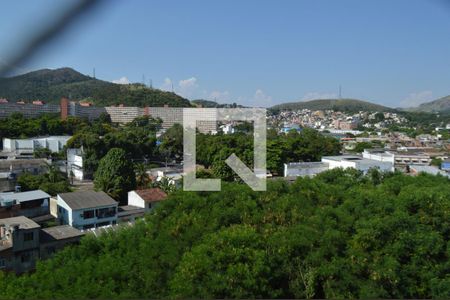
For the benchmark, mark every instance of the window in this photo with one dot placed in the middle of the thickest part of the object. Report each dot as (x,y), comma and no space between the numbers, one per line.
(26,257)
(106,212)
(88,214)
(28,236)
(2,263)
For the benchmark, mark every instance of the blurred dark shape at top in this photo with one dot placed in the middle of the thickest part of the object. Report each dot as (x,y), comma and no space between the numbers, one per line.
(46,34)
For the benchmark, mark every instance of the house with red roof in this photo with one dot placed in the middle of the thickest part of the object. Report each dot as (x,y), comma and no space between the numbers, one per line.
(147,199)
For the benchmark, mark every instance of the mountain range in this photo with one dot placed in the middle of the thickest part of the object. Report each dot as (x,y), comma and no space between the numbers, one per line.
(352,105)
(50,85)
(439,105)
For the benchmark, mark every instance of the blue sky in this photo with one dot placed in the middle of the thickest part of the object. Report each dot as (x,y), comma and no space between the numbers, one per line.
(254,52)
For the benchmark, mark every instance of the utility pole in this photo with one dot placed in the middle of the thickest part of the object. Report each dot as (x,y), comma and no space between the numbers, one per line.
(340,92)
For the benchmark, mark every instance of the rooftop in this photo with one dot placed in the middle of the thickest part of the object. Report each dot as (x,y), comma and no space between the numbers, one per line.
(24,196)
(129,210)
(5,164)
(152,195)
(57,233)
(428,169)
(315,164)
(22,222)
(87,199)
(344,157)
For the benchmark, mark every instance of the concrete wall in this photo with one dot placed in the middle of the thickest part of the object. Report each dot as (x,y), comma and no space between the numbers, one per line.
(75,163)
(136,200)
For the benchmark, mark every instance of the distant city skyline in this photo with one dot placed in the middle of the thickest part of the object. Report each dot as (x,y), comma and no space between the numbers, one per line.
(253,52)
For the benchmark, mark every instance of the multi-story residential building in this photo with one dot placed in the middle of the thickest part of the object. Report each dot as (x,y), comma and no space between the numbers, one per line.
(53,239)
(124,114)
(86,210)
(23,242)
(30,204)
(10,169)
(28,110)
(19,244)
(118,114)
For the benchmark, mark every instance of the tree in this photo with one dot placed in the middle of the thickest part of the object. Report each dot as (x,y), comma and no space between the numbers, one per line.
(172,142)
(142,178)
(360,147)
(341,234)
(115,175)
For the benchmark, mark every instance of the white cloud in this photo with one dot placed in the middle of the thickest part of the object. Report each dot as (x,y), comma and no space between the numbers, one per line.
(188,83)
(219,96)
(167,85)
(187,87)
(261,99)
(415,99)
(317,95)
(121,80)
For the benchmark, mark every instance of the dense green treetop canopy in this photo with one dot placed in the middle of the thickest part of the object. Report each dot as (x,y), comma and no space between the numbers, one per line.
(339,235)
(115,174)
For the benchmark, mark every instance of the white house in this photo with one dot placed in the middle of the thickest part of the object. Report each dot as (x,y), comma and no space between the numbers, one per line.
(227,128)
(75,163)
(86,210)
(147,199)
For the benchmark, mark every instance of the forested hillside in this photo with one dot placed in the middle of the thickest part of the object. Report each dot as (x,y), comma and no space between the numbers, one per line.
(209,103)
(349,105)
(339,235)
(438,105)
(51,85)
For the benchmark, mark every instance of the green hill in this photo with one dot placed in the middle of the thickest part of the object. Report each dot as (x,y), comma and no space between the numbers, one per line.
(438,105)
(209,103)
(51,85)
(332,104)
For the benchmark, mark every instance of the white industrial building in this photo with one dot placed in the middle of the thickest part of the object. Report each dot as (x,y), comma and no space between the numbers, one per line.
(22,146)
(305,169)
(310,169)
(379,155)
(398,157)
(358,163)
